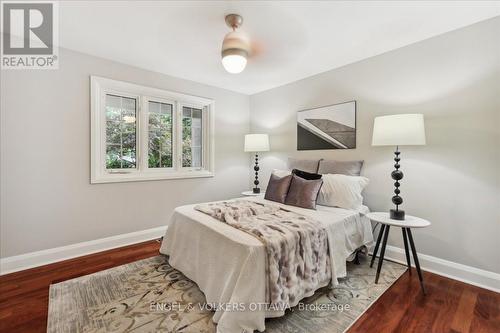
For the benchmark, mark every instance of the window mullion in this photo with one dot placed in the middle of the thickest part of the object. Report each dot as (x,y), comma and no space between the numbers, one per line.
(204,135)
(142,134)
(178,136)
(121,133)
(102,120)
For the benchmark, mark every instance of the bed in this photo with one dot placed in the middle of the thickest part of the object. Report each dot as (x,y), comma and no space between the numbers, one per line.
(228,264)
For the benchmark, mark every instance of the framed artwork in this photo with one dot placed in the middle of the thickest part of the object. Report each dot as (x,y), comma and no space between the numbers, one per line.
(327,127)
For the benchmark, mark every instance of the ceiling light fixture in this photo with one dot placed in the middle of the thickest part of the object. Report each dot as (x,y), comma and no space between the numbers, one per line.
(235,47)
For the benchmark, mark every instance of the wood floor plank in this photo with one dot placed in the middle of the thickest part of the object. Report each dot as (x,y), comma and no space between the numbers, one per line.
(446,307)
(415,301)
(386,316)
(449,306)
(463,316)
(486,316)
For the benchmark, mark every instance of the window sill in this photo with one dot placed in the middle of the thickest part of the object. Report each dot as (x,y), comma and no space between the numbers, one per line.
(135,177)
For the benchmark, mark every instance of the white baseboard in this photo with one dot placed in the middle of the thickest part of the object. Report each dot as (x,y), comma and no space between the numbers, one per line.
(44,257)
(478,277)
(475,276)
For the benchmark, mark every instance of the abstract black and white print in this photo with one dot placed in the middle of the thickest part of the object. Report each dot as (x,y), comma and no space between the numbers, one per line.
(328,127)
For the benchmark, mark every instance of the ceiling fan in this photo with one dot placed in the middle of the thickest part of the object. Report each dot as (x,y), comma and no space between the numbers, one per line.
(235,47)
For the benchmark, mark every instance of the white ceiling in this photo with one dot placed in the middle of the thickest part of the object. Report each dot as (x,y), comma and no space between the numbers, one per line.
(291,39)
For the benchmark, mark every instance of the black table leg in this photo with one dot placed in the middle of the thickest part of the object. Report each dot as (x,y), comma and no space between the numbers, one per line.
(407,251)
(382,252)
(379,238)
(415,258)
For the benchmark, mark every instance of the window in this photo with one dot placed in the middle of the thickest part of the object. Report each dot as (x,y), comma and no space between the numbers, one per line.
(192,130)
(160,135)
(121,132)
(141,133)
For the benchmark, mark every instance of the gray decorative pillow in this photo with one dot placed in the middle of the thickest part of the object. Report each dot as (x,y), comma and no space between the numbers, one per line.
(303,193)
(349,168)
(277,188)
(304,165)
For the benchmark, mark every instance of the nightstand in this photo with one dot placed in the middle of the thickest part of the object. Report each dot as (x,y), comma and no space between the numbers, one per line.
(406,226)
(251,194)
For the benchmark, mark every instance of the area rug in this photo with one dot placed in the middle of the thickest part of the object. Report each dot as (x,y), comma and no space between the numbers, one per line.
(151,296)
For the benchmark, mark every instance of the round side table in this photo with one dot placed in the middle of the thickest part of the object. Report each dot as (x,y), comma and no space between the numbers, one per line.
(406,226)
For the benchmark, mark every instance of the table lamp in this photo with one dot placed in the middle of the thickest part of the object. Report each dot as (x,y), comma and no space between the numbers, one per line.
(256,143)
(398,130)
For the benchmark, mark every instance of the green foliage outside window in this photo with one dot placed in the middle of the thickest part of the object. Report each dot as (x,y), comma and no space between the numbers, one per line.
(121,134)
(160,140)
(186,142)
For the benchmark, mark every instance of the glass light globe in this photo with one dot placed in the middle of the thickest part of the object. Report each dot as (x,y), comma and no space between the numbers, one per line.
(234,63)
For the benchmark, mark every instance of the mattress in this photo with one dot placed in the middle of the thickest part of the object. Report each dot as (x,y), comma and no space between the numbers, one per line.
(228,265)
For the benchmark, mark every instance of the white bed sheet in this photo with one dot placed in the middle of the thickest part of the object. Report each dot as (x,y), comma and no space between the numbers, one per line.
(229,265)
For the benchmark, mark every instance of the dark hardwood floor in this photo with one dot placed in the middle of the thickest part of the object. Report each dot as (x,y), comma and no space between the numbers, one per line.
(24,296)
(449,306)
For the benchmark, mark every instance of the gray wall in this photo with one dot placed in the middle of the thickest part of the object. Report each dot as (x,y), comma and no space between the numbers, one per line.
(46,196)
(454,80)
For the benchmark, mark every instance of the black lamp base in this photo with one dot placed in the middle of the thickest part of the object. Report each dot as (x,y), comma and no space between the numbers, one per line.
(256,189)
(397,214)
(397,175)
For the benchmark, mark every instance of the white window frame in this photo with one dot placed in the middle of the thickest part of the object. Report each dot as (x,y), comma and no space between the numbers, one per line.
(100,87)
(145,133)
(179,129)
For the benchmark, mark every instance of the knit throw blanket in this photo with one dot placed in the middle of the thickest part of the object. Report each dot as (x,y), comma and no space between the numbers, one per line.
(298,259)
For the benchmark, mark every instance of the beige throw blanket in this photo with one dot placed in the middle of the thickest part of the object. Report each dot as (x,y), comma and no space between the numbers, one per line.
(298,258)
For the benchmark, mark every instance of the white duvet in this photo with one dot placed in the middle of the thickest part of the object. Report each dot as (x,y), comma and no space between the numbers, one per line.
(229,265)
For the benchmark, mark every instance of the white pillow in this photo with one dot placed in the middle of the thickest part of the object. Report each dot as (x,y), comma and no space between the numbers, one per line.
(342,191)
(281,173)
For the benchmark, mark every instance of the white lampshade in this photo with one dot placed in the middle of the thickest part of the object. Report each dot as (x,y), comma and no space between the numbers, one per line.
(256,142)
(399,130)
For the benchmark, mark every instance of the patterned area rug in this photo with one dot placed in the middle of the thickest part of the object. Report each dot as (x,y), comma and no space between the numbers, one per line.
(151,296)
